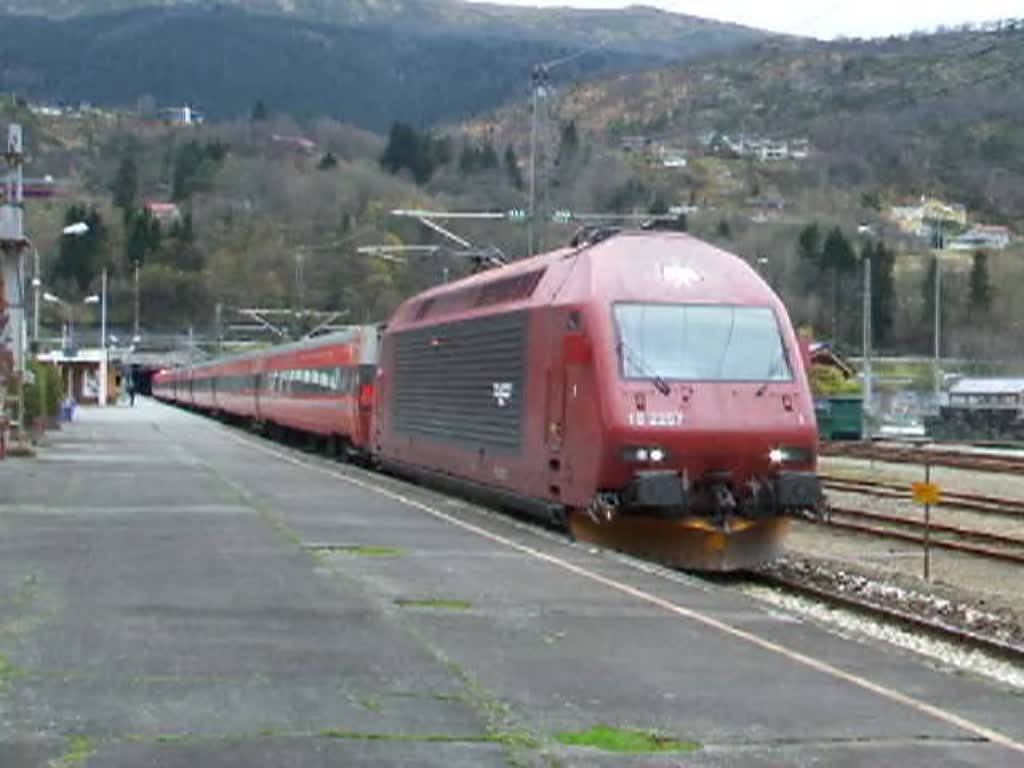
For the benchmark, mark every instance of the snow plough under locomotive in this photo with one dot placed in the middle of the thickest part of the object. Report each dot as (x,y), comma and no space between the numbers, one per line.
(645,392)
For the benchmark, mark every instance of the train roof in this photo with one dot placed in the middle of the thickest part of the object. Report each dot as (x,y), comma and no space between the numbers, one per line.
(629,266)
(337,337)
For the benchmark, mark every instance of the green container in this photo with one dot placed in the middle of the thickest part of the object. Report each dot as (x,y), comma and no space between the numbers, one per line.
(840,417)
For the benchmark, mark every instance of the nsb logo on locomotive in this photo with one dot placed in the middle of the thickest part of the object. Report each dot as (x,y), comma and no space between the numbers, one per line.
(502,392)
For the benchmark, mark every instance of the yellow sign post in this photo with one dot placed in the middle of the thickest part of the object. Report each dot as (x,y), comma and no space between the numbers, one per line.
(926,493)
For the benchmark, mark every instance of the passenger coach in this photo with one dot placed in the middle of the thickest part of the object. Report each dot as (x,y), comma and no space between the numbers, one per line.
(321,386)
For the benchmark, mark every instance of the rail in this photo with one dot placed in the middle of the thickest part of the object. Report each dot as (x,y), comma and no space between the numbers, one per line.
(913,531)
(943,457)
(974,502)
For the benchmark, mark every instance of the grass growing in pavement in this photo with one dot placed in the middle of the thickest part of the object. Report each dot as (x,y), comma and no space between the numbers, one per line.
(443,605)
(621,740)
(8,672)
(436,738)
(78,751)
(366,551)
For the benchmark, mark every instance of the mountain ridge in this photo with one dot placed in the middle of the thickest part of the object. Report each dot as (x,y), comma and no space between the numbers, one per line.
(637,28)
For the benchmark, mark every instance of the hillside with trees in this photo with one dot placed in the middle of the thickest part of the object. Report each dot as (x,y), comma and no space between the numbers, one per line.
(935,114)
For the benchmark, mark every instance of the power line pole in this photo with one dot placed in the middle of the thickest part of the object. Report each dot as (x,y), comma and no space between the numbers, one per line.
(219,321)
(538,83)
(300,281)
(135,335)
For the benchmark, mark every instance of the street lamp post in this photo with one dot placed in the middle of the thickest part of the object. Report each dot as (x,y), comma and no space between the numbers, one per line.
(868,384)
(938,328)
(939,247)
(69,308)
(77,229)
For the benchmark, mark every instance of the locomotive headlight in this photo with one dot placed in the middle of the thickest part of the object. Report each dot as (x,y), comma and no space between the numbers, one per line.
(790,455)
(641,454)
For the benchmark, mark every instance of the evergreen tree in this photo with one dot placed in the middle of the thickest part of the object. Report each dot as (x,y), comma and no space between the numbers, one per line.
(328,162)
(468,159)
(260,113)
(82,257)
(488,157)
(181,252)
(125,187)
(570,142)
(883,291)
(839,259)
(837,253)
(724,229)
(407,149)
(142,240)
(515,176)
(195,165)
(809,244)
(980,296)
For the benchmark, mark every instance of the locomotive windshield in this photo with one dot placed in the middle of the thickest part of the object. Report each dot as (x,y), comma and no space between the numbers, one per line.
(701,343)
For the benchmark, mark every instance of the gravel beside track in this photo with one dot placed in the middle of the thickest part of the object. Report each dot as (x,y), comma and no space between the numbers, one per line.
(937,624)
(992,590)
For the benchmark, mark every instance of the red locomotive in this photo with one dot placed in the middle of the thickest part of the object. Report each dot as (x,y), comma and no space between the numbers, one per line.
(646,391)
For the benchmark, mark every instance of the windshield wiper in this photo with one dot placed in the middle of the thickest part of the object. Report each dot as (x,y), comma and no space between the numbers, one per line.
(659,383)
(773,372)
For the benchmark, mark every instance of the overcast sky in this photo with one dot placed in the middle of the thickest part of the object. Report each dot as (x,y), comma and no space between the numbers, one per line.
(825,18)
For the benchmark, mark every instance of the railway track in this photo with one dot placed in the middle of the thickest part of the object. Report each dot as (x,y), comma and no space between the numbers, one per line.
(914,622)
(943,457)
(993,546)
(974,502)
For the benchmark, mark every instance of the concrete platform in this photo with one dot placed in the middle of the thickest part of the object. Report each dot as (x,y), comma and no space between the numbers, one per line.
(177,593)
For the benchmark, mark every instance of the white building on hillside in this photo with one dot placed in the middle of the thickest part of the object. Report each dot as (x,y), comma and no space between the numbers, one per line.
(982,237)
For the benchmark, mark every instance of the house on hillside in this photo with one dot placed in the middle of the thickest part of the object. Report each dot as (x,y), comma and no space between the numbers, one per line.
(300,143)
(165,213)
(185,115)
(981,236)
(758,147)
(635,143)
(922,219)
(767,206)
(673,158)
